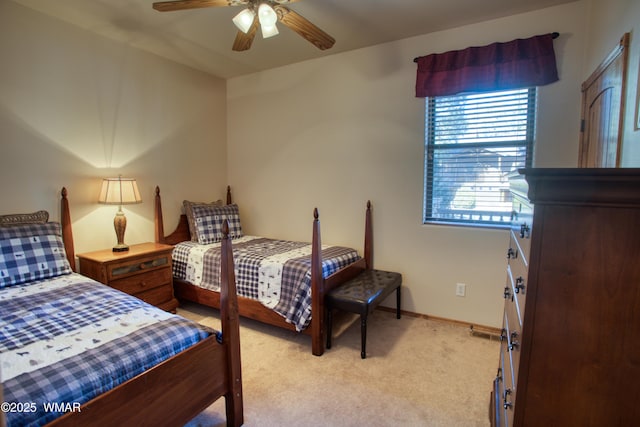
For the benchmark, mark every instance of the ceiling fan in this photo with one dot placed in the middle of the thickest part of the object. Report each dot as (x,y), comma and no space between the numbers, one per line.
(263,13)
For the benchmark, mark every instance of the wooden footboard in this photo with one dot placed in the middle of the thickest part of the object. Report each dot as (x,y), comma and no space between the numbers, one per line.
(170,393)
(178,389)
(255,310)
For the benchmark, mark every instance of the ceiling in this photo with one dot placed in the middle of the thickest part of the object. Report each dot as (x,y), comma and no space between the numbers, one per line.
(202,38)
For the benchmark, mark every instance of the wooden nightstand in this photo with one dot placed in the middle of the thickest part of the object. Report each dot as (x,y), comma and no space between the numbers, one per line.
(143,271)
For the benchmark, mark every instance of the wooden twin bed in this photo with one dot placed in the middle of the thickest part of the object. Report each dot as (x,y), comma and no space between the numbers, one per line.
(251,308)
(170,393)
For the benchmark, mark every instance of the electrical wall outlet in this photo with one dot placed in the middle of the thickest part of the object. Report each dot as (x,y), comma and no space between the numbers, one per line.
(461,289)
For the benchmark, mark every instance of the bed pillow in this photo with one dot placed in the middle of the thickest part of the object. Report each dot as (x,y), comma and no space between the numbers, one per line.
(39,217)
(31,252)
(208,221)
(188,210)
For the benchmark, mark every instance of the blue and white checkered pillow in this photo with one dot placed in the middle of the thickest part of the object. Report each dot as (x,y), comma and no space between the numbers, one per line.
(31,252)
(209,220)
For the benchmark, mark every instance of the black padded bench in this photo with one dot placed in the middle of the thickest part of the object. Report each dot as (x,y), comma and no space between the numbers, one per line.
(361,295)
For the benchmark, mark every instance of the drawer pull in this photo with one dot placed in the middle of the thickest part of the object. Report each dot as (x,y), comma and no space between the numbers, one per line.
(503,336)
(512,253)
(525,231)
(513,342)
(507,404)
(507,292)
(519,285)
(142,266)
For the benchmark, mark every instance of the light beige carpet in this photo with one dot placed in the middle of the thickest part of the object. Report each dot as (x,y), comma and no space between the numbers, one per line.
(418,372)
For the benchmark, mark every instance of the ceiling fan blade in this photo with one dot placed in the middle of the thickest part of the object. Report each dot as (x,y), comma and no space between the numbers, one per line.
(243,41)
(169,6)
(305,28)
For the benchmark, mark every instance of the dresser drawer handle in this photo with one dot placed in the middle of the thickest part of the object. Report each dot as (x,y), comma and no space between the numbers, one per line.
(507,292)
(513,342)
(506,403)
(142,266)
(519,285)
(512,253)
(525,231)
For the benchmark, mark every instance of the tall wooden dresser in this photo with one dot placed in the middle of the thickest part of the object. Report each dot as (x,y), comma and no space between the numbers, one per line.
(570,351)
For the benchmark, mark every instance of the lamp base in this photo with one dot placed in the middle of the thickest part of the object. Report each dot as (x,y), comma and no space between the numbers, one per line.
(120,224)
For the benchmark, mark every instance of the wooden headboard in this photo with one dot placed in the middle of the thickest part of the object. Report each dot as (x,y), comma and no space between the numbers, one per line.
(181,232)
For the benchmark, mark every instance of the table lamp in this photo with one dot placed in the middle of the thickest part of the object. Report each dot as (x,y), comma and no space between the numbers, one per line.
(119,191)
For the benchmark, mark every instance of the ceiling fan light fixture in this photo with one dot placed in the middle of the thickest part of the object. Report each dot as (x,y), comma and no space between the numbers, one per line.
(244,20)
(268,13)
(269,31)
(267,16)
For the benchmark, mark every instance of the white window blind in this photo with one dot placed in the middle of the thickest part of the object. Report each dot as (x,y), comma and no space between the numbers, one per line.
(472,143)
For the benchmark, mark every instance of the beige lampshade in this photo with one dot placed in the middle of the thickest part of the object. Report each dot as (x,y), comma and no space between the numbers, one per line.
(119,191)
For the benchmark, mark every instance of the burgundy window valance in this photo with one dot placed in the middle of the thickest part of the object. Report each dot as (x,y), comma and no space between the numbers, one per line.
(499,66)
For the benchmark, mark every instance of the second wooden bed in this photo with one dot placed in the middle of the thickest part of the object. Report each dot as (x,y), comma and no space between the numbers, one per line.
(253,309)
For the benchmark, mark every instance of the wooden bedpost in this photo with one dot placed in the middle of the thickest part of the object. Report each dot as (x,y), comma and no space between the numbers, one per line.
(317,290)
(229,318)
(368,237)
(67,232)
(229,195)
(159,225)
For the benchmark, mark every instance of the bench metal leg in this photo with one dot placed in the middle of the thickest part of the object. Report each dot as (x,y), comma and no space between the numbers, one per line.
(398,302)
(363,332)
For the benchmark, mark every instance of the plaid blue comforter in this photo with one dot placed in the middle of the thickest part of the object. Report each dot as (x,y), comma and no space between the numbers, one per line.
(275,272)
(67,340)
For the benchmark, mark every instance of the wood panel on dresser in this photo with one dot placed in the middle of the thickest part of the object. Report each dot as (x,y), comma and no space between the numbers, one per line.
(576,360)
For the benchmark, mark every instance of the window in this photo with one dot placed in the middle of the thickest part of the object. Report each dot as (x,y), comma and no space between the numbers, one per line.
(473,142)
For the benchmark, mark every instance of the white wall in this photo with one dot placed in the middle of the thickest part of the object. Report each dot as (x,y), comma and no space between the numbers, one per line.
(76,108)
(607,22)
(331,133)
(342,129)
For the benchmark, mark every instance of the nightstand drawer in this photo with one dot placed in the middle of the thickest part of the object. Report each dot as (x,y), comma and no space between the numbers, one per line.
(143,265)
(143,282)
(157,296)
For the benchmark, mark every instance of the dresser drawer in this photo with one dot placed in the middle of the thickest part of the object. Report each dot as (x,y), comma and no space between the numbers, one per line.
(505,391)
(136,266)
(523,240)
(522,247)
(517,281)
(142,282)
(513,339)
(521,214)
(517,275)
(500,410)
